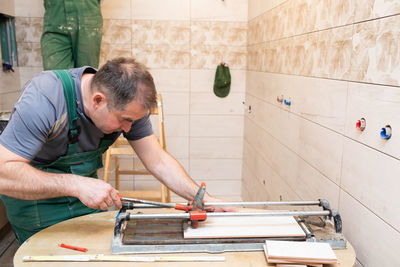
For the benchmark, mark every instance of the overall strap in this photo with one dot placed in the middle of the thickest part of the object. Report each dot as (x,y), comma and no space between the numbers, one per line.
(70,99)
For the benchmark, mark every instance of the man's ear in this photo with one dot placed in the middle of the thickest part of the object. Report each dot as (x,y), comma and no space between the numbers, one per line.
(99,99)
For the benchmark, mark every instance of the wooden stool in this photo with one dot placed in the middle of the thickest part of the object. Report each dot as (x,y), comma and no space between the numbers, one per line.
(121,147)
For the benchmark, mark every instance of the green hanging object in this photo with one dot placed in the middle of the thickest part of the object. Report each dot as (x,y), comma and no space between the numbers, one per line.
(222,82)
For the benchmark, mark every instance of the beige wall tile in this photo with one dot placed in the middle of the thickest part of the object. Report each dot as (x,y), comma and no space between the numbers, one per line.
(368,234)
(333,13)
(9,81)
(216,169)
(110,51)
(27,73)
(216,126)
(116,9)
(233,10)
(7,8)
(369,9)
(372,179)
(379,105)
(178,146)
(176,103)
(208,57)
(215,147)
(28,29)
(29,55)
(255,57)
(117,31)
(319,100)
(8,100)
(258,7)
(218,33)
(161,32)
(336,53)
(305,55)
(176,125)
(252,190)
(162,56)
(304,16)
(172,80)
(203,80)
(257,29)
(208,103)
(161,10)
(376,57)
(31,8)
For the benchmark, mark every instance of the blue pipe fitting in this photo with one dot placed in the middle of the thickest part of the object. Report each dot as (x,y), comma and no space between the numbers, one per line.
(386,132)
(287,102)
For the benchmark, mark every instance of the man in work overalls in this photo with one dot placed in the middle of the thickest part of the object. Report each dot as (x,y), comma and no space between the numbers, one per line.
(61,124)
(72,32)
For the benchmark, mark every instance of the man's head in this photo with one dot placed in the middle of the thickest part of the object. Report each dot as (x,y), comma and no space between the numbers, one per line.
(123,91)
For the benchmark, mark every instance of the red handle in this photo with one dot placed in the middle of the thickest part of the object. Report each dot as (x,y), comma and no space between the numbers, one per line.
(73,247)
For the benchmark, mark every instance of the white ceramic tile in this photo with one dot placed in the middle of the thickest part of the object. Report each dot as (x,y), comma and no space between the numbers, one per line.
(216,169)
(176,125)
(221,147)
(318,146)
(176,103)
(379,105)
(203,80)
(320,100)
(31,8)
(178,147)
(216,126)
(116,9)
(222,188)
(208,103)
(373,179)
(304,179)
(374,241)
(171,80)
(232,10)
(161,10)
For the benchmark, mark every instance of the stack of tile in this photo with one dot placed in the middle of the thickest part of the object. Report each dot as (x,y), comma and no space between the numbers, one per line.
(296,254)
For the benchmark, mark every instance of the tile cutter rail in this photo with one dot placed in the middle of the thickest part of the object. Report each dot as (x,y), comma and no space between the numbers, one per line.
(163,232)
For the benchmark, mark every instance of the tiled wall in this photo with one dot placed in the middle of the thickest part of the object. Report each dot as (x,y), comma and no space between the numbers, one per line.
(181,41)
(337,61)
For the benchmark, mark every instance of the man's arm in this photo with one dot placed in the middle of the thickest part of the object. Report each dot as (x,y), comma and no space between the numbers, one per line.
(166,169)
(19,179)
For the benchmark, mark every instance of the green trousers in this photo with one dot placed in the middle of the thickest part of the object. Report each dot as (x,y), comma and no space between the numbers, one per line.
(72,32)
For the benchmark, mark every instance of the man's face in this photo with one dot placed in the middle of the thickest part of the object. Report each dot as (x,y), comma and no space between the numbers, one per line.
(114,120)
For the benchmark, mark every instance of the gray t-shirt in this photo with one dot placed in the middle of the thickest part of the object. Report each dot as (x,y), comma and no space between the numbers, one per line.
(38,127)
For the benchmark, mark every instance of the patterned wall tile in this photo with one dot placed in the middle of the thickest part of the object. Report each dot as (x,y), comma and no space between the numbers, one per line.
(376,52)
(369,9)
(335,52)
(117,31)
(219,33)
(208,57)
(163,56)
(303,16)
(255,56)
(28,29)
(110,51)
(257,29)
(333,13)
(306,54)
(160,32)
(29,55)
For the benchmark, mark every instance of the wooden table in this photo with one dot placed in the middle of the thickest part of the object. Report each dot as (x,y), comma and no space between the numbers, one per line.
(95,233)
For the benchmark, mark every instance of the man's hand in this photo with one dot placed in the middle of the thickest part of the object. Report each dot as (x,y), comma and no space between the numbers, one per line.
(96,194)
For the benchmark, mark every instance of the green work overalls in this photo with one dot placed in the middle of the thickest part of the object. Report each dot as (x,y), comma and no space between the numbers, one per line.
(72,31)
(28,217)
